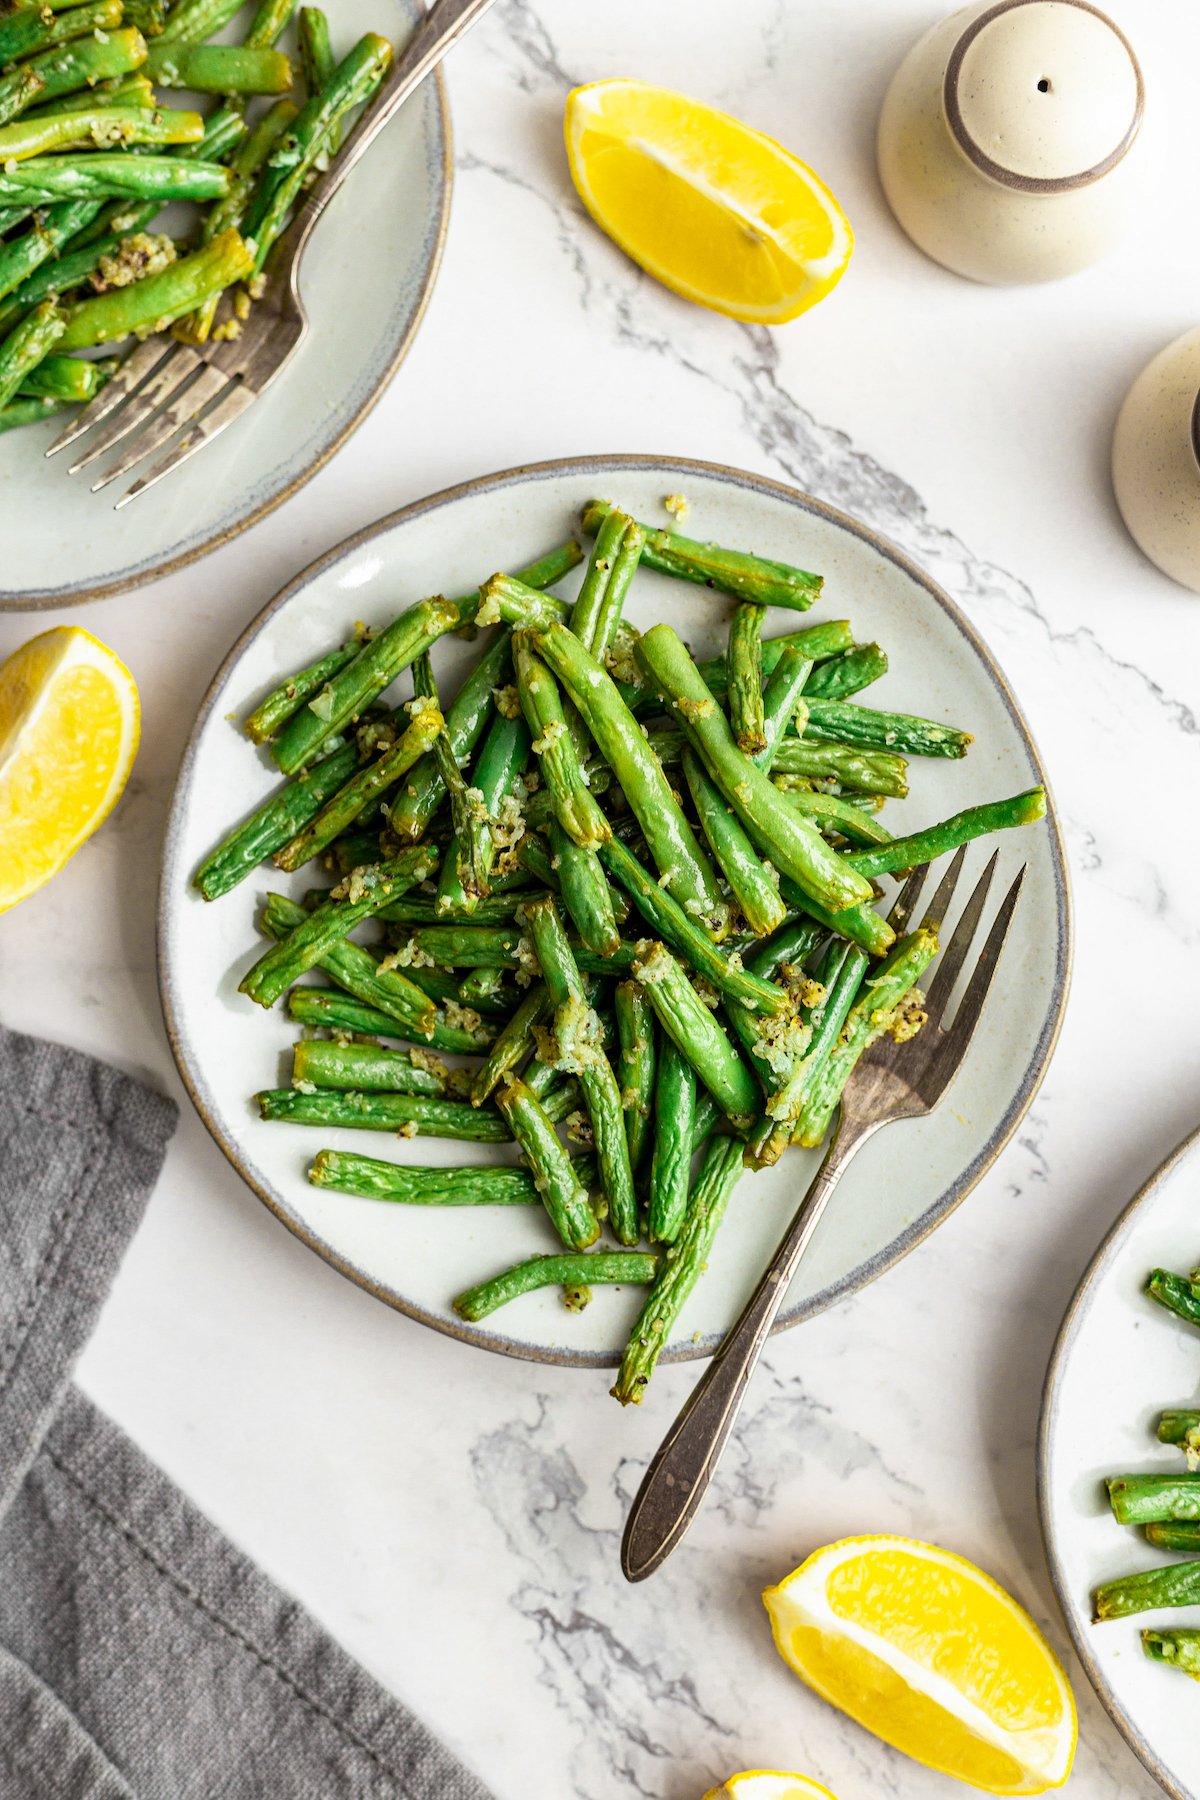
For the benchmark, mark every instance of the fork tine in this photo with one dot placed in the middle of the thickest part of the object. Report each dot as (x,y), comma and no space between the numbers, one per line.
(905,903)
(966,1018)
(182,407)
(235,401)
(171,375)
(939,906)
(131,374)
(962,937)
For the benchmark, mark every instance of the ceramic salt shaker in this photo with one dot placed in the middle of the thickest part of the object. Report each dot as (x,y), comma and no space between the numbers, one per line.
(1012,145)
(1156,460)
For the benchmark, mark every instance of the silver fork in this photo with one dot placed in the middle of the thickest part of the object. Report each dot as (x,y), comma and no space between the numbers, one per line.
(165,387)
(892,1081)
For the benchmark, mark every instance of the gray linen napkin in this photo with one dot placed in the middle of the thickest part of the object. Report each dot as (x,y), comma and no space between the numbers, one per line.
(141,1656)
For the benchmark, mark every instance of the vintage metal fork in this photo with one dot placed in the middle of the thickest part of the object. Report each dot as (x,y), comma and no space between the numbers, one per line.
(892,1081)
(165,387)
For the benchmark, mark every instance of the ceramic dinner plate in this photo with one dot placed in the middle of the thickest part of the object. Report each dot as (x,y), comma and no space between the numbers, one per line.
(1119,1361)
(367,278)
(900,1185)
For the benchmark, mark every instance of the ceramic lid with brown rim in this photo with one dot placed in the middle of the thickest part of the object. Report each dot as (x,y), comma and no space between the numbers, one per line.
(1044,95)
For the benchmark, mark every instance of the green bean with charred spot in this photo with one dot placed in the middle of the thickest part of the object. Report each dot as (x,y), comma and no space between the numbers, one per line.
(860,924)
(1150,1499)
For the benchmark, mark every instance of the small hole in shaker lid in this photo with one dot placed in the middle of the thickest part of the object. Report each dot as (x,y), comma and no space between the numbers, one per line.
(1043,86)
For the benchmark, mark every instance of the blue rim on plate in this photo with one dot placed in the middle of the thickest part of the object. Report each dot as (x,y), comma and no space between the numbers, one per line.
(676,472)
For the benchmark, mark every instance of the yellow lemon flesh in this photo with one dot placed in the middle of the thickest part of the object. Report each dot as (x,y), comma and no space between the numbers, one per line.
(768,1784)
(69,723)
(720,213)
(932,1656)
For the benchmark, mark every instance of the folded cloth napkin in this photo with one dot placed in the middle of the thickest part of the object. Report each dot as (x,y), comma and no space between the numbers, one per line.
(141,1656)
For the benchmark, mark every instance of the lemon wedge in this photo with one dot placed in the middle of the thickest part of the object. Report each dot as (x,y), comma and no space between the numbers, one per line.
(69,722)
(932,1656)
(720,213)
(768,1784)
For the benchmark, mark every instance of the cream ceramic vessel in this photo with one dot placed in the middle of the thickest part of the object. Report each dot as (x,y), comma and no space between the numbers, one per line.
(1011,140)
(1156,460)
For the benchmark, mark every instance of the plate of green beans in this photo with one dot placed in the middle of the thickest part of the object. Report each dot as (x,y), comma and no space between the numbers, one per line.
(525,902)
(151,151)
(1119,1471)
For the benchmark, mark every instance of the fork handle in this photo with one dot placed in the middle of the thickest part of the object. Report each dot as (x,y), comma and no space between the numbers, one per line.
(677,1480)
(443,25)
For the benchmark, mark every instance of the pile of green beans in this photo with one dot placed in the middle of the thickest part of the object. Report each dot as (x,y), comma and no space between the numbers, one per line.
(89,155)
(1166,1507)
(637,893)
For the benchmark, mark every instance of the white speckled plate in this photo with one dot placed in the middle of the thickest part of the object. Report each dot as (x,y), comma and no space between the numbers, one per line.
(1119,1361)
(902,1183)
(367,279)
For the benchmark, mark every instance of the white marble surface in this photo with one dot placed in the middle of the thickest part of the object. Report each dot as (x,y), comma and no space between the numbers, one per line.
(452,1518)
